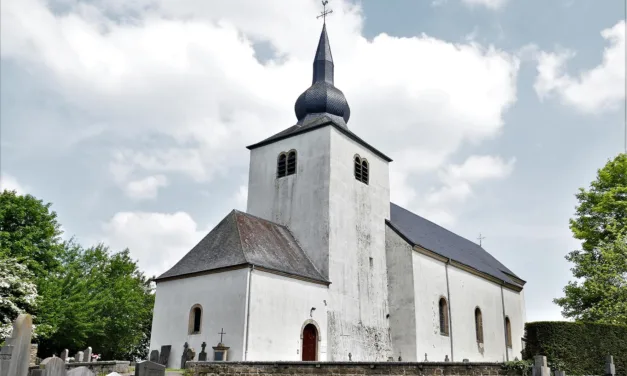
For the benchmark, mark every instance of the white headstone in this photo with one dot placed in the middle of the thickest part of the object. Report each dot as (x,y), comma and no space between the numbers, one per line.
(80,371)
(53,367)
(64,355)
(78,358)
(20,356)
(114,374)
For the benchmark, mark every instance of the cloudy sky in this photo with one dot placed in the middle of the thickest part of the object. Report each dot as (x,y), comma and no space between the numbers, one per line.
(132,116)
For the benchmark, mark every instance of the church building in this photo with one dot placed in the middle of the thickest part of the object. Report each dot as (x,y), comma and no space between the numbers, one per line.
(323,267)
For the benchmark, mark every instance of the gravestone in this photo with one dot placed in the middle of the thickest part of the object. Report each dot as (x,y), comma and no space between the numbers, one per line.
(539,367)
(202,357)
(559,373)
(53,367)
(154,356)
(610,368)
(78,358)
(5,356)
(20,347)
(81,371)
(87,356)
(164,355)
(149,368)
(113,374)
(64,355)
(184,355)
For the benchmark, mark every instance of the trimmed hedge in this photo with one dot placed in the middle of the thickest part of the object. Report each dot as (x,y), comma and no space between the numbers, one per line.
(577,348)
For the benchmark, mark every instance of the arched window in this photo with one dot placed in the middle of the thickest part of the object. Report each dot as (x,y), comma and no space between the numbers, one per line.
(195,319)
(508,332)
(361,168)
(291,162)
(478,325)
(443,317)
(286,164)
(281,168)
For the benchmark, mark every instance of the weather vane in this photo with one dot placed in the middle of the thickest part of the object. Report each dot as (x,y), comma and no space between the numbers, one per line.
(325,11)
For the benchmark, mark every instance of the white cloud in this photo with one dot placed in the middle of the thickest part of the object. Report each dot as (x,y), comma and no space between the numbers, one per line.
(157,240)
(186,73)
(146,188)
(490,4)
(10,183)
(600,88)
(456,185)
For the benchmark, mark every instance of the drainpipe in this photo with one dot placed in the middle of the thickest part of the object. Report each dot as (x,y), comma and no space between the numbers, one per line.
(450,317)
(250,271)
(504,324)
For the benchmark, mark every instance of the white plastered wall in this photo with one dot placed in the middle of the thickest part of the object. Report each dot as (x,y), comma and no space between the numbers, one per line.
(357,263)
(223,300)
(280,307)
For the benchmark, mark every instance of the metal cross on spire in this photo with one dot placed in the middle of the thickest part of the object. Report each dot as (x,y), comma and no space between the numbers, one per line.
(325,11)
(480,238)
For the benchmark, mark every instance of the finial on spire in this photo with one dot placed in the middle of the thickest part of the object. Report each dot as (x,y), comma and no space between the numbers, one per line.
(325,11)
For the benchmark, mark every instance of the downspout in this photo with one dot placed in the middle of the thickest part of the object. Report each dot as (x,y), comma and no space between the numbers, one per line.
(450,317)
(247,325)
(504,325)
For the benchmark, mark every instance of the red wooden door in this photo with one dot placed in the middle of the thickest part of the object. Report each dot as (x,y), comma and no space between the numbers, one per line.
(310,341)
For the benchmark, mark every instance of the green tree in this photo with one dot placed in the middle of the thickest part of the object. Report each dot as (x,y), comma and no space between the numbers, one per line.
(600,292)
(29,232)
(101,299)
(18,293)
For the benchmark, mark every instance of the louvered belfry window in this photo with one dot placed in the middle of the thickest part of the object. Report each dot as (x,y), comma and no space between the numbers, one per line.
(291,162)
(286,164)
(361,169)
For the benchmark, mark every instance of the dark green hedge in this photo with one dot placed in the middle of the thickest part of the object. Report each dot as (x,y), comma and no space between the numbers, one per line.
(577,348)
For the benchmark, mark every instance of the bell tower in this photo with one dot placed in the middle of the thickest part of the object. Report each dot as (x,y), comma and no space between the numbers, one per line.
(331,189)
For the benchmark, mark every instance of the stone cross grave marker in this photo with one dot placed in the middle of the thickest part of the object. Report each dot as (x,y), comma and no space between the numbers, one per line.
(87,356)
(202,356)
(81,371)
(53,367)
(148,368)
(18,348)
(154,356)
(164,355)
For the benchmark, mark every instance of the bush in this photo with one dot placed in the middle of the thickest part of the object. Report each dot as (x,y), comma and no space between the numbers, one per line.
(580,348)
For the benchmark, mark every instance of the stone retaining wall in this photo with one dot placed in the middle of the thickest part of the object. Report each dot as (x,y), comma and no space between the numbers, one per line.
(105,367)
(344,368)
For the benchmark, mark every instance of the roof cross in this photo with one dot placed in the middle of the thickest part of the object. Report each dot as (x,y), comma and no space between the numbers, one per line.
(221,334)
(325,11)
(480,238)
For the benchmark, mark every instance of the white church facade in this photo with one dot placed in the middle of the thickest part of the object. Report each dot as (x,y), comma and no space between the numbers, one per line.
(322,266)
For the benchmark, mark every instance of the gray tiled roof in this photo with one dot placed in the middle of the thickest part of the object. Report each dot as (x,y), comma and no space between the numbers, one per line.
(426,234)
(243,239)
(316,123)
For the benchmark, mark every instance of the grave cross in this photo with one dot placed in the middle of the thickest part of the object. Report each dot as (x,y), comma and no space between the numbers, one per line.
(221,334)
(325,11)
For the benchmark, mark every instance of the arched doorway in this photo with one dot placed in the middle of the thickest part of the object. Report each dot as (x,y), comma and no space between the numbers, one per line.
(310,342)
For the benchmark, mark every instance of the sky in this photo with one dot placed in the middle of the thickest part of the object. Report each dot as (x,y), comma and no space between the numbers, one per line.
(132,116)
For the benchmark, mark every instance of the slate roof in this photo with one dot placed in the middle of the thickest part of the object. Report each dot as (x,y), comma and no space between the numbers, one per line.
(242,239)
(314,124)
(426,234)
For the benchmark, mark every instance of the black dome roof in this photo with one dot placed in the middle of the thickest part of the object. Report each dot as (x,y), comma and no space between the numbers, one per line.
(322,98)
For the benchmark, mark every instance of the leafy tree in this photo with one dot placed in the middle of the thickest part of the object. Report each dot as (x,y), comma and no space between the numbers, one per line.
(29,232)
(602,207)
(600,294)
(18,293)
(100,300)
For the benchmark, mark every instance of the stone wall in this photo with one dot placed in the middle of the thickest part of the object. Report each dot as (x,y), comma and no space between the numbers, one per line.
(33,353)
(344,368)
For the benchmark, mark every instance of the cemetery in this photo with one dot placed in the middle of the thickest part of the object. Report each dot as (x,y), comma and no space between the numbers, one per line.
(16,359)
